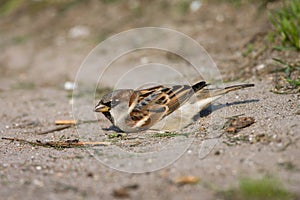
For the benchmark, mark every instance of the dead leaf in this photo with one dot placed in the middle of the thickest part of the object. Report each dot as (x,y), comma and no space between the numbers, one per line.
(231,129)
(235,124)
(242,122)
(123,192)
(187,180)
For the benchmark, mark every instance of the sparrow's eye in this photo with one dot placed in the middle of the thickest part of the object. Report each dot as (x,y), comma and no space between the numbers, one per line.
(114,102)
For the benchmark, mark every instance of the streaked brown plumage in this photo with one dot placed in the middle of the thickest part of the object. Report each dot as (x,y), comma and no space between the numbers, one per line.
(136,110)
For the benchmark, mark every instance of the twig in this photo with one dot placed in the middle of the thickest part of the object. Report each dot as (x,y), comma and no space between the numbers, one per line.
(64,124)
(60,144)
(54,129)
(19,140)
(73,122)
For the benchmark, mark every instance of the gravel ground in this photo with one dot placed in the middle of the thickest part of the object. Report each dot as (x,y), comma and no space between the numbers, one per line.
(36,62)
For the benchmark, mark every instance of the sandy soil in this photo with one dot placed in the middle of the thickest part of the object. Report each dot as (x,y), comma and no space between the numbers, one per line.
(39,54)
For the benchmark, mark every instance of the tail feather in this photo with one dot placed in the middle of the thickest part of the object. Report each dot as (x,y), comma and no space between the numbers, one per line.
(222,91)
(218,92)
(237,87)
(207,96)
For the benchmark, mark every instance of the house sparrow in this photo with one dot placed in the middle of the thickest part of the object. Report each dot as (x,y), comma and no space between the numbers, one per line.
(137,110)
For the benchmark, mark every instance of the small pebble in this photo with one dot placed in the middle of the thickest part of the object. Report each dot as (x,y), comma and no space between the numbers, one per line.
(218,152)
(144,60)
(79,31)
(69,85)
(38,183)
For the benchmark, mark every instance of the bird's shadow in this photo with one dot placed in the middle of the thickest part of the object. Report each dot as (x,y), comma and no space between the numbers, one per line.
(113,128)
(213,107)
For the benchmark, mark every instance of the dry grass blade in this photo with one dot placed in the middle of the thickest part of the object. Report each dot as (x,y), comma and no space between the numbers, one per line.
(64,124)
(60,128)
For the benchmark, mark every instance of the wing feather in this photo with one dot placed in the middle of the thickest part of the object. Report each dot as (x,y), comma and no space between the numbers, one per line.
(153,104)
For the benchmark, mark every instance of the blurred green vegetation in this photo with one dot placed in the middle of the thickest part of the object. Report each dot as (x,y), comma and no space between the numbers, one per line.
(21,85)
(183,6)
(110,1)
(10,6)
(286,22)
(34,6)
(266,188)
(240,2)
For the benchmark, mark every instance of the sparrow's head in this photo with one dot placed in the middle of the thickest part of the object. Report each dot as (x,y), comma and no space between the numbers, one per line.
(111,101)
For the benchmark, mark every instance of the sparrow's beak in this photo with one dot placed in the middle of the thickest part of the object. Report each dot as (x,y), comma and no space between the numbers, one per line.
(101,108)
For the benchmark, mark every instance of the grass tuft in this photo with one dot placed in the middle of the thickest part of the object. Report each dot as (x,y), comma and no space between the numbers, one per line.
(266,188)
(23,86)
(183,6)
(286,22)
(291,73)
(169,134)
